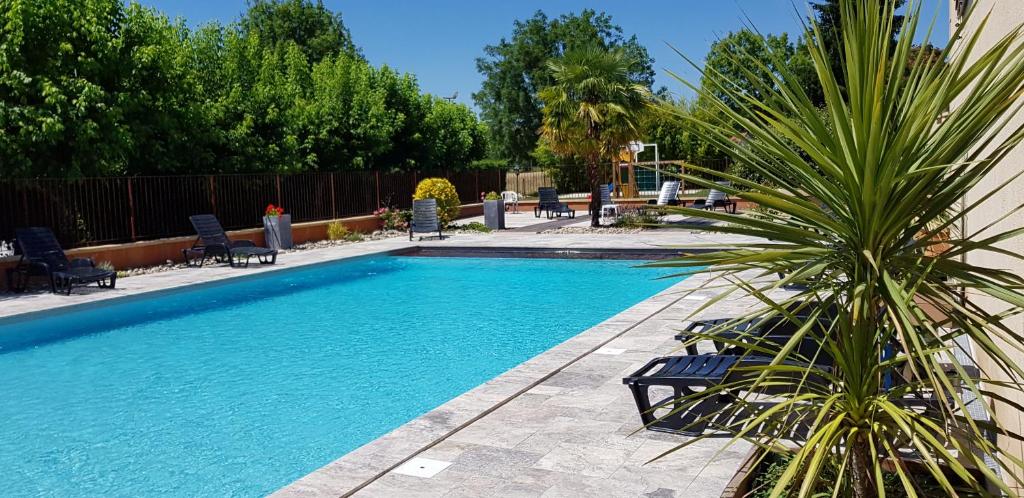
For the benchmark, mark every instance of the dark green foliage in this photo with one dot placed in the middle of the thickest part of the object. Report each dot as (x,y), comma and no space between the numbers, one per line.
(775,465)
(516,69)
(319,32)
(95,87)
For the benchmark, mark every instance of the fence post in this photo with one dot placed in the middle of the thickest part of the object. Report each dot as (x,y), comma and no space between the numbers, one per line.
(334,205)
(277,181)
(131,208)
(24,203)
(376,175)
(213,194)
(476,180)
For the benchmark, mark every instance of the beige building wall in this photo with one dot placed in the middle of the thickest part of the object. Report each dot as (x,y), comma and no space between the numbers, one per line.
(1006,15)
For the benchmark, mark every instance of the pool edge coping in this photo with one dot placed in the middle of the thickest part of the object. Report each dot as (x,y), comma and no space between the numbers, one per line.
(215,280)
(353,471)
(230,275)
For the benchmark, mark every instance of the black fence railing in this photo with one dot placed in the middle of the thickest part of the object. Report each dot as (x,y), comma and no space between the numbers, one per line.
(93,211)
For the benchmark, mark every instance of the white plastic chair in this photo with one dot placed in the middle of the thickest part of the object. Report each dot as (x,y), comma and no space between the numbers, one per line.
(608,208)
(511,199)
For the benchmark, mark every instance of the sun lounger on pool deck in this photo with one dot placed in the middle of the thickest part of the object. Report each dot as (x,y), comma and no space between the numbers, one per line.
(667,196)
(548,202)
(424,218)
(716,199)
(684,375)
(41,254)
(214,243)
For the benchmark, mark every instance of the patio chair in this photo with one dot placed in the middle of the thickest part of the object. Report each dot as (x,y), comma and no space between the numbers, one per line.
(41,255)
(747,329)
(667,196)
(213,242)
(548,202)
(687,374)
(608,207)
(511,200)
(424,218)
(716,199)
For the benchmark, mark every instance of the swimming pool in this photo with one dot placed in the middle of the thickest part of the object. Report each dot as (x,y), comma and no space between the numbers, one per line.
(240,388)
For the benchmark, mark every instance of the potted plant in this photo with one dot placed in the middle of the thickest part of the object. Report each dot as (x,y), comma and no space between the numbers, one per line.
(881,396)
(494,211)
(277,227)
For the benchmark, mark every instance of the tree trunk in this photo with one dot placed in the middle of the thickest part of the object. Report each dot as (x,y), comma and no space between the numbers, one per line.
(595,191)
(862,477)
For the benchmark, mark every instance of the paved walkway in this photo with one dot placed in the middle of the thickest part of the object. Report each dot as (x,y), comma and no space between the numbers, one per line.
(555,223)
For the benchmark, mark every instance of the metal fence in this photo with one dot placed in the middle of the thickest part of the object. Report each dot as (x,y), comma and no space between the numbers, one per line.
(572,182)
(93,211)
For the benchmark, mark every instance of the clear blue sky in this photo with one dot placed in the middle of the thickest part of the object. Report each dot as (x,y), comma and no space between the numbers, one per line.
(439,40)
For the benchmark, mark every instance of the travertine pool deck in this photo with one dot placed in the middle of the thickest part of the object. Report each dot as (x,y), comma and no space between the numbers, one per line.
(560,424)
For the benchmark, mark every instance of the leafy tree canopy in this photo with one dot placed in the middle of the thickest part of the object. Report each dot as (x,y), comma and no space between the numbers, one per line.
(593,107)
(515,69)
(319,32)
(97,87)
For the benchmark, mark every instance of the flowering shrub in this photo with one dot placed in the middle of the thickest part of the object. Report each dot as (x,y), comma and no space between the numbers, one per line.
(392,219)
(492,196)
(272,211)
(444,192)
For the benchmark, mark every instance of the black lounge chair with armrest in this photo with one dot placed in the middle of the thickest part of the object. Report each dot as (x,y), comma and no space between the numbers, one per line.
(548,202)
(758,326)
(684,375)
(41,255)
(213,242)
(736,353)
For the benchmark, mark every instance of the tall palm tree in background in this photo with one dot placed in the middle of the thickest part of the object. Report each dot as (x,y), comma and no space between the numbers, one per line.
(864,213)
(592,110)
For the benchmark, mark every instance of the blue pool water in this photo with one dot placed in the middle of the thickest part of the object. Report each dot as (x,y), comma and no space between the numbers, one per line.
(238,389)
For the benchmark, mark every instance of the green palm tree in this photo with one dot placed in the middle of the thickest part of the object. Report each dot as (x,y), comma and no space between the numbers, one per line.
(592,110)
(865,212)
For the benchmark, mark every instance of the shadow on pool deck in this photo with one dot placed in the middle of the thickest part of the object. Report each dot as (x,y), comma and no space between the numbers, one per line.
(556,223)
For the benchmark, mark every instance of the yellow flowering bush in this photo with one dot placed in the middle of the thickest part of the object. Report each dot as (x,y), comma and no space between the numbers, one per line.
(444,192)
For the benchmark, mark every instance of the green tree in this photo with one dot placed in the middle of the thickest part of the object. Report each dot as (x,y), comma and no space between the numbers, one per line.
(55,93)
(319,32)
(457,138)
(515,69)
(592,109)
(97,87)
(763,57)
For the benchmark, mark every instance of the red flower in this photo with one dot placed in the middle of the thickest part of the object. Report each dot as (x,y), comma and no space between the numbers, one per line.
(273,211)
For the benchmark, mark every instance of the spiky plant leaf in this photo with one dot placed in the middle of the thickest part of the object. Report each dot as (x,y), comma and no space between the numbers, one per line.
(865,209)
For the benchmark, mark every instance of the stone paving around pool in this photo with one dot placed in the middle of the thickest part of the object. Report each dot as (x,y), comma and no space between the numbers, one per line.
(560,424)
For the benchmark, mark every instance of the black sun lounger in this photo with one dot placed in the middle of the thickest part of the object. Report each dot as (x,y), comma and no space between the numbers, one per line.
(548,202)
(42,255)
(684,375)
(214,243)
